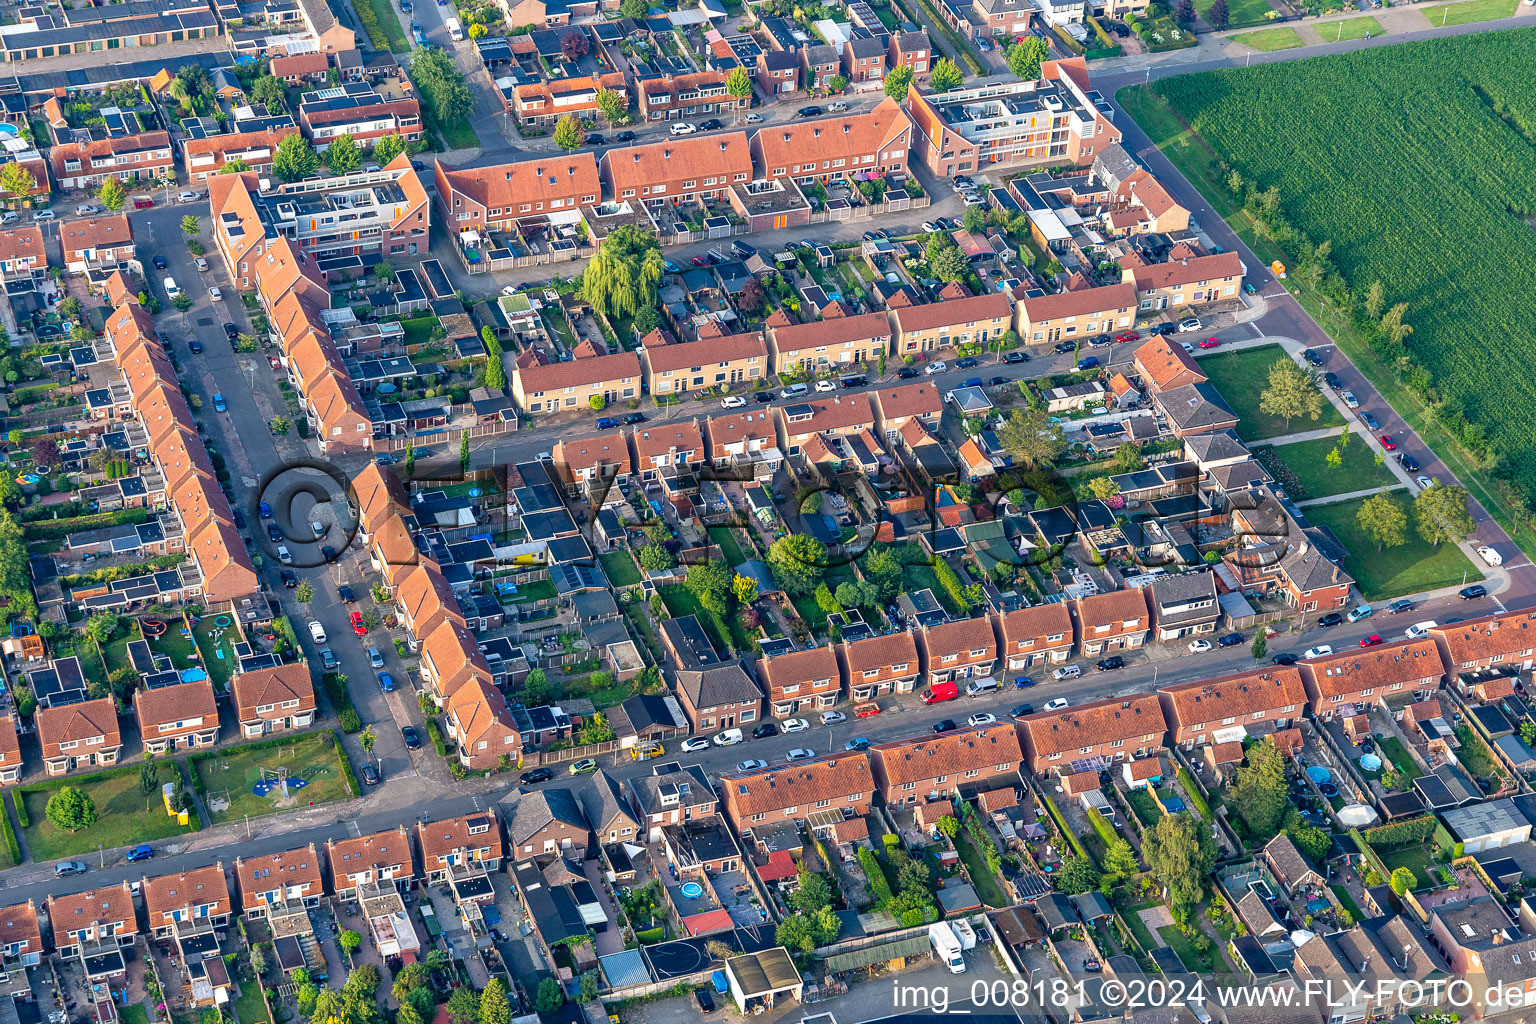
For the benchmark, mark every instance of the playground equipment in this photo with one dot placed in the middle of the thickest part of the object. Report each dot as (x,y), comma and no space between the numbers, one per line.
(152,627)
(182,817)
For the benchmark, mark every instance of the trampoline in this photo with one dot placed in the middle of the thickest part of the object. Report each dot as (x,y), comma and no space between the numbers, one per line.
(1370,762)
(474,492)
(222,621)
(692,890)
(1328,789)
(1319,774)
(152,627)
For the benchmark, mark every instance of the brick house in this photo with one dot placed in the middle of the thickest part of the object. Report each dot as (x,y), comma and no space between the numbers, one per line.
(918,400)
(10,751)
(1110,730)
(878,665)
(666,446)
(808,680)
(692,365)
(190,900)
(695,166)
(718,696)
(544,824)
(793,792)
(571,385)
(1164,365)
(778,72)
(274,699)
(840,343)
(1499,641)
(671,795)
(177,717)
(959,650)
(966,761)
(21,945)
(863,60)
(1193,281)
(96,243)
(909,50)
(79,735)
(467,842)
(291,878)
(696,94)
(496,197)
(1233,707)
(829,149)
(1047,319)
(482,727)
(1371,675)
(606,809)
(935,326)
(376,859)
(1183,604)
(1041,635)
(94,918)
(1116,620)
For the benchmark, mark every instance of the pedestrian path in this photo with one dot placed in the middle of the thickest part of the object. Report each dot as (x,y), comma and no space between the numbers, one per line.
(1348,496)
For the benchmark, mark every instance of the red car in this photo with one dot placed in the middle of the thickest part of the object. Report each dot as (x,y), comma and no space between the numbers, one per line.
(1387,443)
(1370,641)
(1125,336)
(1210,343)
(357,624)
(700,261)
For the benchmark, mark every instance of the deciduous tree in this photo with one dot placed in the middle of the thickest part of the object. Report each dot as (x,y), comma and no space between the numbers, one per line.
(896,82)
(614,107)
(1258,792)
(387,148)
(1292,392)
(1180,852)
(798,562)
(1217,15)
(621,278)
(70,809)
(574,45)
(1030,436)
(17,180)
(111,194)
(1025,58)
(1383,519)
(342,155)
(738,83)
(569,133)
(945,75)
(294,159)
(1440,514)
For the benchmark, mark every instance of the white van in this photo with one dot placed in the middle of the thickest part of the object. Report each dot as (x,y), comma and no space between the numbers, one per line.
(1489,555)
(317,631)
(171,290)
(981,687)
(728,738)
(1419,630)
(455,30)
(795,391)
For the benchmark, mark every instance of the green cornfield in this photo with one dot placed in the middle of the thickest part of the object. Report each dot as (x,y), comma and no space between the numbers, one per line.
(1418,162)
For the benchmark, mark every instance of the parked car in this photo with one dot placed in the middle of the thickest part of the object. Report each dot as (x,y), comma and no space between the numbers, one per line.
(1088,362)
(981,718)
(1063,347)
(1320,651)
(195,346)
(1408,462)
(824,386)
(358,626)
(1191,325)
(830,718)
(65,868)
(1370,641)
(1312,357)
(1330,620)
(1016,357)
(1210,343)
(937,366)
(765,730)
(607,423)
(370,774)
(965,363)
(1369,421)
(751,764)
(1349,399)
(1022,682)
(1283,658)
(411,737)
(1020,710)
(711,125)
(275,535)
(1425,482)
(632,418)
(944,725)
(1056,705)
(141,852)
(44,215)
(583,767)
(800,754)
(186,197)
(794,725)
(218,403)
(214,293)
(159,262)
(345,593)
(1489,555)
(694,744)
(1231,640)
(727,738)
(328,659)
(1332,380)
(683,128)
(594,139)
(1473,592)
(1199,646)
(1127,336)
(1402,604)
(284,555)
(171,288)
(535,776)
(972,382)
(1110,663)
(386,682)
(1360,612)
(857,743)
(624,136)
(375,657)
(906,373)
(1067,672)
(1387,442)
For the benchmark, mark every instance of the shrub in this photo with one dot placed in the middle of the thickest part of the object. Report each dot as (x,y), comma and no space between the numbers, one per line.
(349,721)
(879,888)
(1402,833)
(347,774)
(1103,828)
(436,736)
(1192,790)
(12,847)
(1061,825)
(21,811)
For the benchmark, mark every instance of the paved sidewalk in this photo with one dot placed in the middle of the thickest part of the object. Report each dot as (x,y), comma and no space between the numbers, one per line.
(1347,496)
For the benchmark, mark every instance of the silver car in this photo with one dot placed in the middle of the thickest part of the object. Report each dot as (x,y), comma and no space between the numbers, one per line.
(375,658)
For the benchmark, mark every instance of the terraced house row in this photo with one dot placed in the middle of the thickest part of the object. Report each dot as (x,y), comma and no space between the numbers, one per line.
(456,673)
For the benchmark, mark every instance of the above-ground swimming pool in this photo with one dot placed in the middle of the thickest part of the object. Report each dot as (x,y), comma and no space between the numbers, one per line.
(692,890)
(1317,773)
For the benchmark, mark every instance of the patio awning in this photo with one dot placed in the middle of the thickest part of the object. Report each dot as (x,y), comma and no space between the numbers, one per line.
(1234,734)
(880,953)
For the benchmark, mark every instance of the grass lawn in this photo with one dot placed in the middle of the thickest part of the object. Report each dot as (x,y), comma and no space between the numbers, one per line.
(1306,463)
(620,567)
(1145,807)
(212,642)
(1415,857)
(389,27)
(1469,11)
(125,814)
(680,601)
(1409,568)
(1391,748)
(1241,376)
(1240,13)
(174,645)
(729,546)
(1346,901)
(986,883)
(231,773)
(134,1013)
(1138,928)
(418,331)
(249,1007)
(1350,28)
(1269,39)
(538,590)
(1204,963)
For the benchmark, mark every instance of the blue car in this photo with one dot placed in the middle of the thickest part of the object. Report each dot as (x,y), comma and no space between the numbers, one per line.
(386,682)
(672,268)
(264,510)
(972,382)
(141,852)
(857,743)
(606,423)
(218,402)
(1088,362)
(1023,682)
